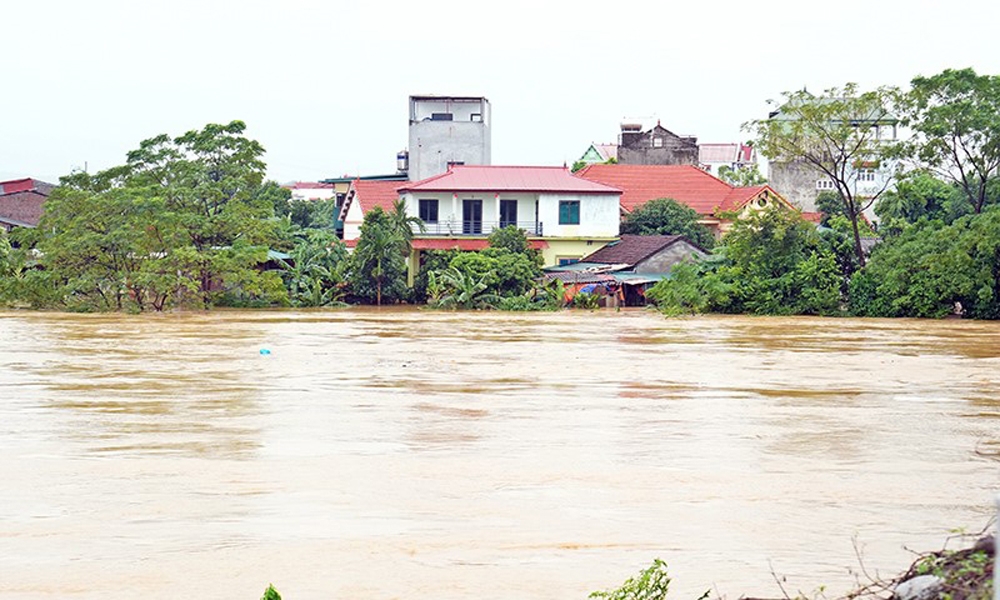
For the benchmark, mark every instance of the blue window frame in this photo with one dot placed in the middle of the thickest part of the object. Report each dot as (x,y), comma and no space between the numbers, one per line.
(569,212)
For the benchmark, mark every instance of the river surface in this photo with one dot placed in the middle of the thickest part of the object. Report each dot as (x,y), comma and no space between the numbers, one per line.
(427,455)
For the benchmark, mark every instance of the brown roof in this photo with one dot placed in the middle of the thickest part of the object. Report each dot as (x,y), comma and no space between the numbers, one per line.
(633,249)
(21,201)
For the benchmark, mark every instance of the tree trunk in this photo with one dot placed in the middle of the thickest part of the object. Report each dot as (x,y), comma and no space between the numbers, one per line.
(858,250)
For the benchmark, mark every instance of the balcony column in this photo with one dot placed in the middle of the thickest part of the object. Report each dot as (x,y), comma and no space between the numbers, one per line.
(455,218)
(496,211)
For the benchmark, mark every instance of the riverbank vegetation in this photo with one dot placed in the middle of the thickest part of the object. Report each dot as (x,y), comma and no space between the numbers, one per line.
(189,222)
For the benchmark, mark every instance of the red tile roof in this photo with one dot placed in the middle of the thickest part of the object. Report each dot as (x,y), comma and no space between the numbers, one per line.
(686,184)
(816,217)
(468,178)
(375,193)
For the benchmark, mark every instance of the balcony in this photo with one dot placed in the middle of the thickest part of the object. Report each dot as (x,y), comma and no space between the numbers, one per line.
(478,228)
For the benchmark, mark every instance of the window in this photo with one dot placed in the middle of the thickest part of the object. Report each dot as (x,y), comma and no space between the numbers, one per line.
(866,175)
(508,213)
(569,212)
(567,260)
(824,184)
(429,211)
(657,142)
(476,118)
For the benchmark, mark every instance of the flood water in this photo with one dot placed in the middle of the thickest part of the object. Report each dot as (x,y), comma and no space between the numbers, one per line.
(427,455)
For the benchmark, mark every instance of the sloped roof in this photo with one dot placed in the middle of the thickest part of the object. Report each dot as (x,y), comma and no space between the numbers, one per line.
(370,194)
(725,153)
(686,184)
(607,151)
(470,178)
(27,184)
(633,249)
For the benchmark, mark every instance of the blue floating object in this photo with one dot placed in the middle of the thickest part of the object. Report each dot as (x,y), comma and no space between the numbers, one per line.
(265,351)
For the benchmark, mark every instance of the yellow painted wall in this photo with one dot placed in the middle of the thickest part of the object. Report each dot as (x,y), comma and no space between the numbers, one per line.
(571,248)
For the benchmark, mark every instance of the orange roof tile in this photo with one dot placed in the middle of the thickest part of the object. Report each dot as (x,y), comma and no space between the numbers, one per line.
(686,184)
(375,193)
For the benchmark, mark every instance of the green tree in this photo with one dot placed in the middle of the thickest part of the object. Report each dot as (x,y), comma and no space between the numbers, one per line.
(743,177)
(404,225)
(932,268)
(178,223)
(918,195)
(833,133)
(315,276)
(778,265)
(505,273)
(278,197)
(511,238)
(955,118)
(378,269)
(665,216)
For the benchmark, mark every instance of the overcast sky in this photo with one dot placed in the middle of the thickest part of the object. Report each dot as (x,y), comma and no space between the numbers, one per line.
(324,85)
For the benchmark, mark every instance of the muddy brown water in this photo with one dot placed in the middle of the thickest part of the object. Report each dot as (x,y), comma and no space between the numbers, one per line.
(418,455)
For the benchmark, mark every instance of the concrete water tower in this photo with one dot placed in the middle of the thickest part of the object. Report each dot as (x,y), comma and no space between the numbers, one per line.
(447,130)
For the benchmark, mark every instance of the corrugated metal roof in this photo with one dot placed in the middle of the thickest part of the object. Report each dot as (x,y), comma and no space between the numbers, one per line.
(469,178)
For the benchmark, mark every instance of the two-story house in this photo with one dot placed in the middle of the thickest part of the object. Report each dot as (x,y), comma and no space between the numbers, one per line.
(564,216)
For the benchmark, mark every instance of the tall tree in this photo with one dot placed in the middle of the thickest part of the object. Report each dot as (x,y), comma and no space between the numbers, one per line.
(179,221)
(378,271)
(955,117)
(835,133)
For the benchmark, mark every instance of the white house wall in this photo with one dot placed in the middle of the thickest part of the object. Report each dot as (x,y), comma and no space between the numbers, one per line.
(599,215)
(353,220)
(313,193)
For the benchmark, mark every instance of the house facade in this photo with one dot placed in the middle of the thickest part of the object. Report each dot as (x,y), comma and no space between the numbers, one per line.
(572,216)
(735,156)
(656,146)
(563,216)
(599,153)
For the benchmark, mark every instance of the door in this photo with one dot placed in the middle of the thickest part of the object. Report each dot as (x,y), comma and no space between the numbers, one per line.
(472,217)
(508,213)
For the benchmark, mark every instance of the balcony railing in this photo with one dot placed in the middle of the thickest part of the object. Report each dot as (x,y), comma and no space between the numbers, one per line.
(478,228)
